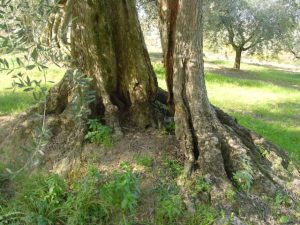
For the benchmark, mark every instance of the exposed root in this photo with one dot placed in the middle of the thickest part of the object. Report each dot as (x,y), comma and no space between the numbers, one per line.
(234,159)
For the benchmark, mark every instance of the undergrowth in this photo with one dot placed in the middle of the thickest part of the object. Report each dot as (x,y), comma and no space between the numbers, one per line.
(94,199)
(99,134)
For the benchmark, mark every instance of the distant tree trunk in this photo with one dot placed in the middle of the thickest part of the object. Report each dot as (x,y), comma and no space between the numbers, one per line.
(238,58)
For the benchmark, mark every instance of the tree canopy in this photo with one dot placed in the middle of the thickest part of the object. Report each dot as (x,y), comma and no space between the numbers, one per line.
(247,25)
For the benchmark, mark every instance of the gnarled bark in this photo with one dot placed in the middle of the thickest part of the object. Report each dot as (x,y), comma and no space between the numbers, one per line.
(215,145)
(168,15)
(108,46)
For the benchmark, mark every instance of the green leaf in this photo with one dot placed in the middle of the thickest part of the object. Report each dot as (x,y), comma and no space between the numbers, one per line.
(34,54)
(19,61)
(30,67)
(28,89)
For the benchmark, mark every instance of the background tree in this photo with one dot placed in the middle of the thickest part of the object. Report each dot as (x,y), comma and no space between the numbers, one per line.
(246,24)
(290,41)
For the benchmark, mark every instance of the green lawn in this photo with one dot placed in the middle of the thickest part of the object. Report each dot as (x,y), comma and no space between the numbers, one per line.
(272,109)
(13,101)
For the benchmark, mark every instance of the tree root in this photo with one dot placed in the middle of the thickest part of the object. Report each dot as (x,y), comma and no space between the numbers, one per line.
(234,159)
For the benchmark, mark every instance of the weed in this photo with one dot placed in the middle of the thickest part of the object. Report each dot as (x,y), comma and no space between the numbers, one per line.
(284,219)
(37,202)
(230,195)
(282,199)
(169,128)
(173,167)
(204,215)
(121,193)
(5,180)
(99,134)
(84,205)
(243,179)
(94,199)
(201,185)
(169,209)
(145,161)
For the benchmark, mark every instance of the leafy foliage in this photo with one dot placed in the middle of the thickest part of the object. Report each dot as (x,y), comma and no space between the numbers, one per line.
(99,134)
(282,199)
(121,193)
(244,178)
(248,25)
(145,161)
(169,206)
(230,195)
(204,215)
(93,199)
(173,167)
(284,219)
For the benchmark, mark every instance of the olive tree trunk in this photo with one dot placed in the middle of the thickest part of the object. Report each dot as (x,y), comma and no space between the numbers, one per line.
(168,14)
(111,78)
(238,58)
(108,46)
(227,155)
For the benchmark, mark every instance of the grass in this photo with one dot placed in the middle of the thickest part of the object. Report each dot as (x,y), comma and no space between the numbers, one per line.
(269,110)
(258,103)
(13,101)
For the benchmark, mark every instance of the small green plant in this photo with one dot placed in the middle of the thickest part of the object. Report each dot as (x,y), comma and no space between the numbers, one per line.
(5,180)
(37,201)
(173,167)
(201,185)
(243,179)
(204,215)
(99,134)
(145,161)
(84,205)
(169,209)
(230,195)
(121,194)
(284,219)
(282,199)
(170,128)
(94,199)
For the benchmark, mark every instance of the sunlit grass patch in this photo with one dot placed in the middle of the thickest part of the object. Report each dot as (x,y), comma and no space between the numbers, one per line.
(269,110)
(16,100)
